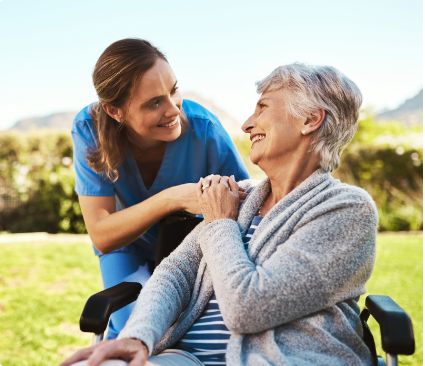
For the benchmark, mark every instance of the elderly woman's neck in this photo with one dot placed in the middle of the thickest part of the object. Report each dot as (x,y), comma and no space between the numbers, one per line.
(286,176)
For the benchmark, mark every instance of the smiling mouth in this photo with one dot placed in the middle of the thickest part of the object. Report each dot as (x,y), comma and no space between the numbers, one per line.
(257,138)
(170,124)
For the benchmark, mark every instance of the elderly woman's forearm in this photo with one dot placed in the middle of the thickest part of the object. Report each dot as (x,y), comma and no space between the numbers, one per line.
(166,294)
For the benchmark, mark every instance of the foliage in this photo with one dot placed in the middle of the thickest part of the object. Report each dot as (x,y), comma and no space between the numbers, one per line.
(37,187)
(389,133)
(36,184)
(44,285)
(386,159)
(393,179)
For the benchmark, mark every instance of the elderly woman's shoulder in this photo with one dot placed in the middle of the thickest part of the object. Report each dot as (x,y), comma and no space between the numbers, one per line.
(351,194)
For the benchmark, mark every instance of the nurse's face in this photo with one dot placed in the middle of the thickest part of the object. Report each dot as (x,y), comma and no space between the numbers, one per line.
(152,112)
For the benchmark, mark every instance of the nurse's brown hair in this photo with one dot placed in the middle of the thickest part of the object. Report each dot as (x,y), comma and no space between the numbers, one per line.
(115,74)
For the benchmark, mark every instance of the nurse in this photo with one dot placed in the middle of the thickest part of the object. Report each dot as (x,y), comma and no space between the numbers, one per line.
(138,153)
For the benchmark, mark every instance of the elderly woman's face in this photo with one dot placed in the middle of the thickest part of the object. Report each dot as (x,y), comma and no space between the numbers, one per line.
(274,133)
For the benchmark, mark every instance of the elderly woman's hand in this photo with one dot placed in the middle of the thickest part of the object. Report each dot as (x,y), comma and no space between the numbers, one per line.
(133,351)
(218,197)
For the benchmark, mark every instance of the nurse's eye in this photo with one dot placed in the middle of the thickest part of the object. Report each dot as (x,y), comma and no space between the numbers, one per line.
(154,104)
(174,90)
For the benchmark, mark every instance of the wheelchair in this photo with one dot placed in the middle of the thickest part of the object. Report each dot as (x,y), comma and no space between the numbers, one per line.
(395,325)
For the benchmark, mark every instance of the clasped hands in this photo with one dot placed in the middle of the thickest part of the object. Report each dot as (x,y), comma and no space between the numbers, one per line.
(219,197)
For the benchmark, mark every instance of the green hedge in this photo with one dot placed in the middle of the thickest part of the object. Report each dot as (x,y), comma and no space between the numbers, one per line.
(393,176)
(37,184)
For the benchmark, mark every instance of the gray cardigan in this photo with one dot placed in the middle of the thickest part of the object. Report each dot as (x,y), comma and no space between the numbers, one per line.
(289,300)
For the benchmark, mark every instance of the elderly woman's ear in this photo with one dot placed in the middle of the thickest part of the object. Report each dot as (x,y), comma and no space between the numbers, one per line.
(313,122)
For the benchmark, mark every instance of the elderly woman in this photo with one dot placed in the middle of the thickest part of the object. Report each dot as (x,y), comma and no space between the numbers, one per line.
(272,280)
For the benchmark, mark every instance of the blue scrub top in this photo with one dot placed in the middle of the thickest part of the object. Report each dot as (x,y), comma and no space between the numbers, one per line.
(204,148)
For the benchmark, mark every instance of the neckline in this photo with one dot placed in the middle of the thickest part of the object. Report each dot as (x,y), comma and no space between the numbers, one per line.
(163,170)
(162,167)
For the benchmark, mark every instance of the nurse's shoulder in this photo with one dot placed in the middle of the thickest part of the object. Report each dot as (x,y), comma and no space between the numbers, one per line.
(83,124)
(201,120)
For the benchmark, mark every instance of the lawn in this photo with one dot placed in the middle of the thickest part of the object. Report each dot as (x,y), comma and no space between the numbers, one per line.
(44,282)
(398,273)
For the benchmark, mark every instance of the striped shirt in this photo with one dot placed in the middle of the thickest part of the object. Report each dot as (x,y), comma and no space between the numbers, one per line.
(208,337)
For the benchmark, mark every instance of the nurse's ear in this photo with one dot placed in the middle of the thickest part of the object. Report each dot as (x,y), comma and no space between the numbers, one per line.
(113,112)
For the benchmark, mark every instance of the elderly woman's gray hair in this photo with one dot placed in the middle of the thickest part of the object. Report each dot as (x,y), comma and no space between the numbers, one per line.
(320,87)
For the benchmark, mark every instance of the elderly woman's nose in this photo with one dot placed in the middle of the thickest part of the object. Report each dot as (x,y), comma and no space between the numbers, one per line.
(248,125)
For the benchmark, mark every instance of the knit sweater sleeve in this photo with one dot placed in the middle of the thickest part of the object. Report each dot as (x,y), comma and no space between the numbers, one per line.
(327,259)
(166,293)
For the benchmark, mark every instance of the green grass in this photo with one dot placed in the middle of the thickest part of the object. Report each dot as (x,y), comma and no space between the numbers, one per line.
(398,273)
(43,287)
(44,284)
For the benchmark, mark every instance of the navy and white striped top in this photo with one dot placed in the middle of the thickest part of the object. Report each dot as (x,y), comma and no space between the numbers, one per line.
(208,337)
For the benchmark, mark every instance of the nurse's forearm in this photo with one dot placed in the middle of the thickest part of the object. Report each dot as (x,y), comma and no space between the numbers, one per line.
(123,227)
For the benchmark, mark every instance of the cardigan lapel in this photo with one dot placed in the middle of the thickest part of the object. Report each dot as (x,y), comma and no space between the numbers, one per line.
(252,203)
(276,218)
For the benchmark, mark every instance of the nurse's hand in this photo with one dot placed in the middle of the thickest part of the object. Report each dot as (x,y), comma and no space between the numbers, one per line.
(130,350)
(183,198)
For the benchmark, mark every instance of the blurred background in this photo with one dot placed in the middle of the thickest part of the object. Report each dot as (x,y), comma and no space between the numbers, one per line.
(218,50)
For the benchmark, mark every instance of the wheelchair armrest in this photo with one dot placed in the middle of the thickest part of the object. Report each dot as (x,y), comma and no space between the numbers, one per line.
(394,323)
(101,305)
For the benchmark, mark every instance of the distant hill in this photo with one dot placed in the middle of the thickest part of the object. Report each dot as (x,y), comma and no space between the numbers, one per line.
(63,121)
(229,122)
(55,121)
(410,112)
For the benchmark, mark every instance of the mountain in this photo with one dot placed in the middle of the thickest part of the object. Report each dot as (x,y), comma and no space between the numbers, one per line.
(55,121)
(410,112)
(63,121)
(232,126)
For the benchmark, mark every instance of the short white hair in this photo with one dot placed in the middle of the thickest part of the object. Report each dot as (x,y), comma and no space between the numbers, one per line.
(311,88)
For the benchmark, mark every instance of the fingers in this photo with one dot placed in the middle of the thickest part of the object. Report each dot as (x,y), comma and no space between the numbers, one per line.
(99,354)
(218,179)
(242,196)
(80,355)
(139,359)
(205,183)
(225,181)
(107,350)
(213,180)
(125,349)
(233,185)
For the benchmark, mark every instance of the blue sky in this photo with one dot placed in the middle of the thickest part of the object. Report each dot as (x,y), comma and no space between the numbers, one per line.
(217,48)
